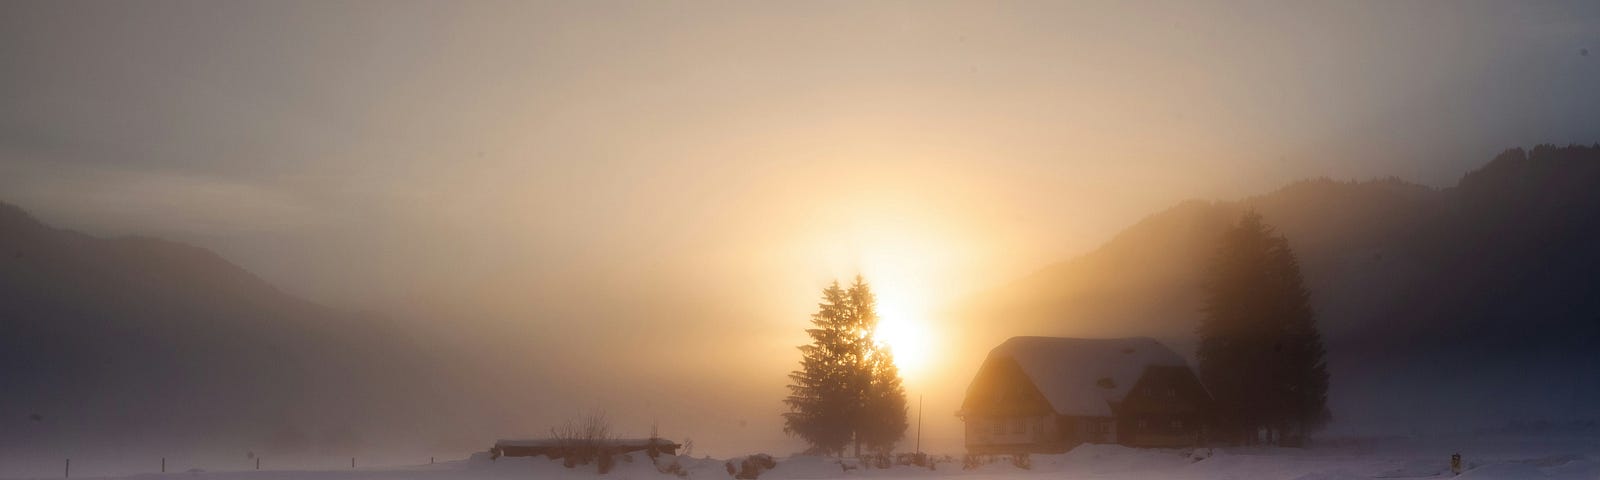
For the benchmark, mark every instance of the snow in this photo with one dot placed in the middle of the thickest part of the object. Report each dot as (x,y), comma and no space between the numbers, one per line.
(1504,457)
(1068,371)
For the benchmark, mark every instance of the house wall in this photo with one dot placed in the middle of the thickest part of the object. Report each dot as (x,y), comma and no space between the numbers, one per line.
(1004,412)
(1010,432)
(1077,429)
(1166,408)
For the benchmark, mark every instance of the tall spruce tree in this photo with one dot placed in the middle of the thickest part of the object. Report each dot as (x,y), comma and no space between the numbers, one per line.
(1260,353)
(882,418)
(847,389)
(817,395)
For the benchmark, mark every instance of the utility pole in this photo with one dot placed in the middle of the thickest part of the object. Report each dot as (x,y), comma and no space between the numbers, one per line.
(919,424)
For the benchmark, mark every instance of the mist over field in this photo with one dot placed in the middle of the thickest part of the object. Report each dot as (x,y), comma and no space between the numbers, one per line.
(309,231)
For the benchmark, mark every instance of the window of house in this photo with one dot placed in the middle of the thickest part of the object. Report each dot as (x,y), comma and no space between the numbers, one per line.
(1172,392)
(997,426)
(1100,427)
(1177,424)
(1016,426)
(1143,424)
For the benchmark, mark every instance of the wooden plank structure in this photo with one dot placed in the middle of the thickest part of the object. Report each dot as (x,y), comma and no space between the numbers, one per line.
(553,448)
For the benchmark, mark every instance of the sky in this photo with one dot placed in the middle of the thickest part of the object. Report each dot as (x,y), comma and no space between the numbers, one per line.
(676,174)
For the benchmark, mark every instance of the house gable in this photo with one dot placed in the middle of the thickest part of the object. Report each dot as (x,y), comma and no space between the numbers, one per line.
(1002,388)
(1167,408)
(1165,390)
(1038,394)
(1082,377)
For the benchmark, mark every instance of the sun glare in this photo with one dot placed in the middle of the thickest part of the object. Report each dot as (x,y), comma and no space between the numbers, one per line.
(904,328)
(906,335)
(914,257)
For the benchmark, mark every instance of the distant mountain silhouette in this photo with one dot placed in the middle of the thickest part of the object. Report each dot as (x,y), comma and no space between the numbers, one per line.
(1443,309)
(141,341)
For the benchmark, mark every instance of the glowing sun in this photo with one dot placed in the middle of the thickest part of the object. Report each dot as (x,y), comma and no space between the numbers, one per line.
(903,326)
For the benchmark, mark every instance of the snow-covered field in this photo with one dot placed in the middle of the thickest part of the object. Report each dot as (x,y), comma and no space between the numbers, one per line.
(1486,457)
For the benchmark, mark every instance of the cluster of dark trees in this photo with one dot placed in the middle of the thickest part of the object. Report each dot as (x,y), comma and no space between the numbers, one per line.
(1260,353)
(847,390)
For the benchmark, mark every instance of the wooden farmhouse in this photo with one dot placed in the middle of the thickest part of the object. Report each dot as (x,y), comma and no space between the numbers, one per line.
(1047,395)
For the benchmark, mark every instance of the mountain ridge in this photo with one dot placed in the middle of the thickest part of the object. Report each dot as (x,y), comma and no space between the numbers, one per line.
(1403,276)
(168,344)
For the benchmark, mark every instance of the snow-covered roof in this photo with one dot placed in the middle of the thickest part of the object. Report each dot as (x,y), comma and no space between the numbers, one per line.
(551,442)
(1069,371)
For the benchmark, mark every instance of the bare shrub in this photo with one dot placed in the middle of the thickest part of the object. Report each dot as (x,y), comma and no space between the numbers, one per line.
(585,440)
(750,468)
(674,468)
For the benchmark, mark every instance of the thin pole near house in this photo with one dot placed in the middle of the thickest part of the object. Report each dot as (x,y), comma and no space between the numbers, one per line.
(67,471)
(919,424)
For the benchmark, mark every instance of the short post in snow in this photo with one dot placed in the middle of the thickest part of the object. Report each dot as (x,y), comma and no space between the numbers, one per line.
(430,460)
(1455,464)
(258,463)
(66,472)
(352,463)
(163,464)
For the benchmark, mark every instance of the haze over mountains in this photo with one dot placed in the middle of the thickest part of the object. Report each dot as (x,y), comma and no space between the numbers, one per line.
(1478,304)
(141,343)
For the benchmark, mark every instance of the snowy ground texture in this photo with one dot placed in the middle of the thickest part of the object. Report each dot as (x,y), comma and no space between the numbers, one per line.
(1506,457)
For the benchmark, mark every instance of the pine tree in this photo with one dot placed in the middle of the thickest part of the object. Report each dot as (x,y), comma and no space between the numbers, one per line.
(818,399)
(847,389)
(1302,379)
(882,421)
(885,419)
(1260,353)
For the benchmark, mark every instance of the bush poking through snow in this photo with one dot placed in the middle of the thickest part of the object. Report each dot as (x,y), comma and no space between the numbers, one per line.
(585,440)
(846,466)
(1019,460)
(876,460)
(672,467)
(751,467)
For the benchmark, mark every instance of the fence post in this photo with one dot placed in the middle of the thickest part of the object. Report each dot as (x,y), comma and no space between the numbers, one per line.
(352,462)
(258,463)
(67,471)
(163,464)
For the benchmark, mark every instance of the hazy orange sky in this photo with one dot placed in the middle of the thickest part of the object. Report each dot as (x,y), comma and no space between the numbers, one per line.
(683,177)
